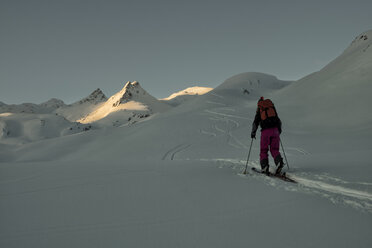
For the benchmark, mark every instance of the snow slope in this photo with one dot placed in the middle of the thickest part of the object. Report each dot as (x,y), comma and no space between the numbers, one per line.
(175,180)
(337,96)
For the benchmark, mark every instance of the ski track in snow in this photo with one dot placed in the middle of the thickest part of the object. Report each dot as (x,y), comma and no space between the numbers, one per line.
(218,129)
(226,119)
(332,188)
(214,94)
(217,103)
(207,133)
(172,152)
(358,199)
(228,109)
(298,150)
(226,115)
(232,140)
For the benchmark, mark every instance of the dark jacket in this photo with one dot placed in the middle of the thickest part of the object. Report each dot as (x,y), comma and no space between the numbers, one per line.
(269,122)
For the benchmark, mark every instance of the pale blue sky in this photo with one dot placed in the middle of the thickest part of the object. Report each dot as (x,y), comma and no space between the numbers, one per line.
(66,49)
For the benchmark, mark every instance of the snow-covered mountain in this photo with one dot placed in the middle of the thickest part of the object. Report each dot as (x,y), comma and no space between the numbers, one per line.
(175,180)
(21,128)
(31,108)
(71,112)
(182,96)
(128,102)
(251,84)
(28,122)
(83,107)
(95,97)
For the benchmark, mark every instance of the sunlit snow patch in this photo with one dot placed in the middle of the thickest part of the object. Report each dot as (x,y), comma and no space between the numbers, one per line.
(189,91)
(107,109)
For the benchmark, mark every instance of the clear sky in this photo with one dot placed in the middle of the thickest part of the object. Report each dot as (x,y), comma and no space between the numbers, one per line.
(66,49)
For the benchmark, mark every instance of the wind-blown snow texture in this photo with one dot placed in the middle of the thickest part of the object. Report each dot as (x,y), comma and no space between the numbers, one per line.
(173,179)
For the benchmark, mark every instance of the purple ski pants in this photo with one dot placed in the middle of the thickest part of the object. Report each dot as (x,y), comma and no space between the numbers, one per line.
(269,140)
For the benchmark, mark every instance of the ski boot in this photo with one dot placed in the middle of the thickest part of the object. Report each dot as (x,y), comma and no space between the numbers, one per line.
(279,164)
(265,166)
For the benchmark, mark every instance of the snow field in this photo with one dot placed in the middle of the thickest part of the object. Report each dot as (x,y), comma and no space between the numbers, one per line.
(174,179)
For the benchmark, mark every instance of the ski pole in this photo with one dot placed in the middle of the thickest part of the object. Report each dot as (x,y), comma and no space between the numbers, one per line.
(249,154)
(284,154)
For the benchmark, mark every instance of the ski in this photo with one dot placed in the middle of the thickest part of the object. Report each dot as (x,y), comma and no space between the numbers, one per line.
(282,176)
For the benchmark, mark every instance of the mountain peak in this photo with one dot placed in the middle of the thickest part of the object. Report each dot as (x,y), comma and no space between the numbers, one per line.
(98,91)
(130,85)
(95,97)
(130,91)
(131,98)
(53,103)
(363,40)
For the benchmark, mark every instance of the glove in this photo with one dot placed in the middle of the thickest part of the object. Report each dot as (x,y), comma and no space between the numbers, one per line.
(253,135)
